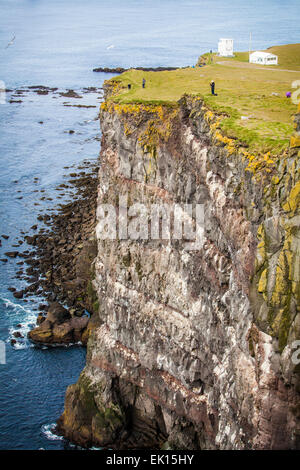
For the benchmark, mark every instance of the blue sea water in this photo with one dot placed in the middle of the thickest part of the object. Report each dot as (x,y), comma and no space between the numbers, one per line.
(58,43)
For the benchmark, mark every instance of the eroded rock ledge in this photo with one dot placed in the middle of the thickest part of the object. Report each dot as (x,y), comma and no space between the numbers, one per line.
(194,348)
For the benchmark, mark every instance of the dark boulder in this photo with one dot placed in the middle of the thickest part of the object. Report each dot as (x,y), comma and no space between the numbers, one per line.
(18,294)
(57,313)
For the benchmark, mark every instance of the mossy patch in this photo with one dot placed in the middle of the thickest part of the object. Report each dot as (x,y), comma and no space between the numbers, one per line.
(138,268)
(292,203)
(126,260)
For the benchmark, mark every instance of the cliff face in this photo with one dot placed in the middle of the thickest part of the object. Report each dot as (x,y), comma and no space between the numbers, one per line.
(194,347)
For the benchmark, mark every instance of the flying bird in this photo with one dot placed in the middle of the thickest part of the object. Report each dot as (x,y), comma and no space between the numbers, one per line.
(110,47)
(11,42)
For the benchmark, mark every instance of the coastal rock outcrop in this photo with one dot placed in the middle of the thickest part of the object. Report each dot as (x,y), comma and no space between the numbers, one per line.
(194,347)
(59,327)
(61,263)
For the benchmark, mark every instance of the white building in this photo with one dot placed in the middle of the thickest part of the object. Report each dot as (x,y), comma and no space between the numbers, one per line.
(263,58)
(225,47)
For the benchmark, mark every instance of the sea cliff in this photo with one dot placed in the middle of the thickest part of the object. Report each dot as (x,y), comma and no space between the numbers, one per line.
(194,348)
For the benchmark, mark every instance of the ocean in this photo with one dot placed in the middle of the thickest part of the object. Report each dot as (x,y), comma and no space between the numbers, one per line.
(57,44)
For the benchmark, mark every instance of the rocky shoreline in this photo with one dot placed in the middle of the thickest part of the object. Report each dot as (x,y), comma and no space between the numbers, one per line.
(63,258)
(17,95)
(54,257)
(59,264)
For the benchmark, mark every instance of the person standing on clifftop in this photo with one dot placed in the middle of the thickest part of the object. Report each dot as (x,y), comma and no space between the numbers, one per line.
(212,86)
(143,83)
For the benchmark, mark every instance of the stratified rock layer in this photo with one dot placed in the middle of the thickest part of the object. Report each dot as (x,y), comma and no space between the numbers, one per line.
(195,348)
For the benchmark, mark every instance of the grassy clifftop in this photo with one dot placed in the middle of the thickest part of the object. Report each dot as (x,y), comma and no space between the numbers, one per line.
(251,100)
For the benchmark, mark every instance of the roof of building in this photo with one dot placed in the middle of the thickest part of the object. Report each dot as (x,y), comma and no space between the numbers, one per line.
(263,54)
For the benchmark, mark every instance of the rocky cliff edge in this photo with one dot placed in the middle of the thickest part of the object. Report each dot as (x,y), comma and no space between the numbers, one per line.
(196,349)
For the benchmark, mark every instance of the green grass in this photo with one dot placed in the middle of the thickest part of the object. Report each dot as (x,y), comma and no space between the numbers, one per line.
(288,56)
(241,56)
(254,98)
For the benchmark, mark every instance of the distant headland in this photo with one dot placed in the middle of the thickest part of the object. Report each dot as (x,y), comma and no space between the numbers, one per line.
(145,69)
